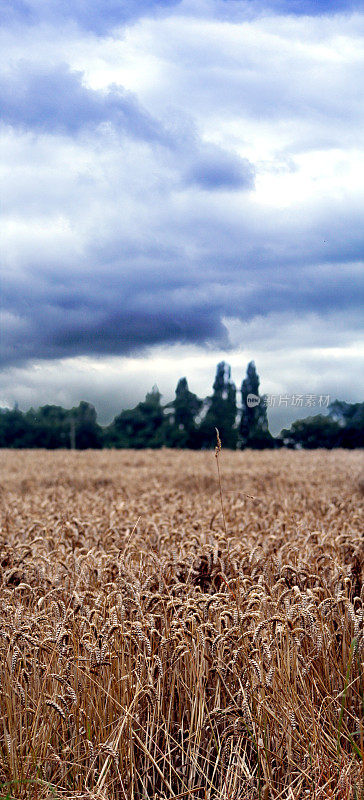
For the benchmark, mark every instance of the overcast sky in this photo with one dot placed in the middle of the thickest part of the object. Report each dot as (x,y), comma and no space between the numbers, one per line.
(182,182)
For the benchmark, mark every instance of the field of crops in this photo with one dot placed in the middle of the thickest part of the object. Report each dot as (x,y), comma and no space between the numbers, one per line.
(154,645)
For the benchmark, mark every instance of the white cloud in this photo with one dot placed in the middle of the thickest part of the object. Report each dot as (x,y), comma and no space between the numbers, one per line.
(109,235)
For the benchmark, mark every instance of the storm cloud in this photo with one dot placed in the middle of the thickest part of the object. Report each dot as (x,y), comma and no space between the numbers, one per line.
(104,17)
(56,100)
(98,17)
(169,167)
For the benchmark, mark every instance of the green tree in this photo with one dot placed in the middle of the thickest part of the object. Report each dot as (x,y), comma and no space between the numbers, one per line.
(350,417)
(312,432)
(88,433)
(221,411)
(181,430)
(49,427)
(342,427)
(253,427)
(14,429)
(142,426)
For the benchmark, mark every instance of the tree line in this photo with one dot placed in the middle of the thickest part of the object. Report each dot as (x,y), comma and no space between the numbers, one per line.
(185,422)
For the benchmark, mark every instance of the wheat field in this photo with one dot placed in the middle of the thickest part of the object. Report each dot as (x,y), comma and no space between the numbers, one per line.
(162,639)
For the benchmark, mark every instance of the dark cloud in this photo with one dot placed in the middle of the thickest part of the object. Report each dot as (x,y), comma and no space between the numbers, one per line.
(104,312)
(98,17)
(56,100)
(103,17)
(97,326)
(314,7)
(115,249)
(214,168)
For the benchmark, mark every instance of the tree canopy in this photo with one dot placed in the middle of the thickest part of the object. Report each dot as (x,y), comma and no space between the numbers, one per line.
(220,411)
(253,426)
(186,421)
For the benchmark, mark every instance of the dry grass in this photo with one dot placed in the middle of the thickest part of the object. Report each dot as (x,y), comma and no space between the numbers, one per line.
(148,653)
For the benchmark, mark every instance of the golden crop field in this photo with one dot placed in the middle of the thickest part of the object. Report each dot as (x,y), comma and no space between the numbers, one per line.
(154,647)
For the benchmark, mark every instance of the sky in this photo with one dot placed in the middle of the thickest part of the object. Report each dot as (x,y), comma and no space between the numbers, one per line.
(181,183)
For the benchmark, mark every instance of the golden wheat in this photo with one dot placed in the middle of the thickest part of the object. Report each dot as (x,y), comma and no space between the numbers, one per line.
(170,632)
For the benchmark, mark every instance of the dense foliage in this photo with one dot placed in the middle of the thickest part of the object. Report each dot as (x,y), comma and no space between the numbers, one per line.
(186,422)
(342,427)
